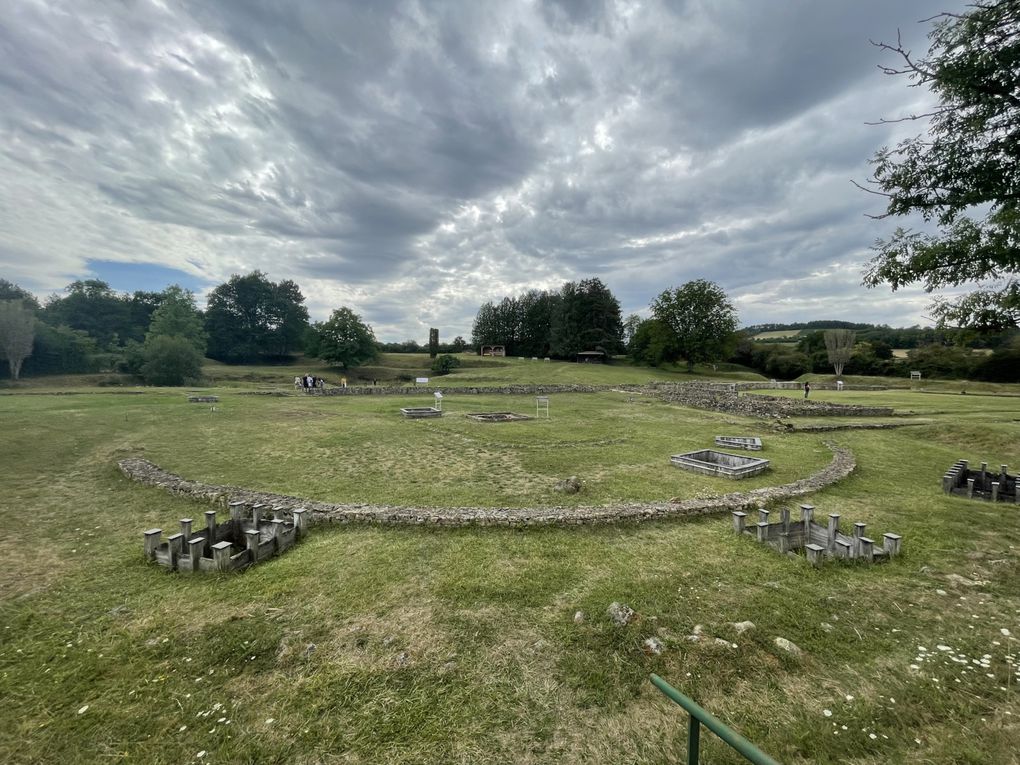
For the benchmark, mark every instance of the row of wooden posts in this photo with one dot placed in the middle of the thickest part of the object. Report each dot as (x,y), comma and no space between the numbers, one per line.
(817,541)
(980,484)
(259,536)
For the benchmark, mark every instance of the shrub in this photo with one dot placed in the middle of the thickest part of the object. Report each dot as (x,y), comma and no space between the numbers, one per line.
(171,361)
(445,364)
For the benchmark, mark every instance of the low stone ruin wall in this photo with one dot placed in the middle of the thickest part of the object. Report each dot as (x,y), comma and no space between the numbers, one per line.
(842,465)
(501,390)
(722,398)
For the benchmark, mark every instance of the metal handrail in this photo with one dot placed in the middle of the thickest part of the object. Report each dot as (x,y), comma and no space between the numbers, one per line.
(698,717)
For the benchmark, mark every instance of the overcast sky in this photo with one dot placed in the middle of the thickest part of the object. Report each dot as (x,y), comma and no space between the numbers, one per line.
(412,160)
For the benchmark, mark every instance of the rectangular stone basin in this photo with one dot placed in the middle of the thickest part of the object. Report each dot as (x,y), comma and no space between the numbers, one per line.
(711,462)
(417,412)
(751,443)
(497,416)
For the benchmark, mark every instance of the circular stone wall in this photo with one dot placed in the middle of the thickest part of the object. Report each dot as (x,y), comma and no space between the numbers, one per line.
(842,465)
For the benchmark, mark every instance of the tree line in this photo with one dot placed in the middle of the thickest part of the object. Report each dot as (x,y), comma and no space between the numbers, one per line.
(163,337)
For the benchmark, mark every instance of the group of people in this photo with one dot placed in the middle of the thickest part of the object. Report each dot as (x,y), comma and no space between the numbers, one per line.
(309,382)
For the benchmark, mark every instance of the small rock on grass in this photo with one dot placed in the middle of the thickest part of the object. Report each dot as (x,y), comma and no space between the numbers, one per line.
(579,617)
(742,627)
(621,614)
(653,646)
(788,646)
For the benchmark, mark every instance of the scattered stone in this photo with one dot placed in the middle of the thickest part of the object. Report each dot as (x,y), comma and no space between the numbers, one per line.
(621,614)
(725,642)
(118,610)
(742,627)
(941,592)
(773,585)
(579,617)
(403,659)
(570,485)
(388,639)
(309,650)
(788,646)
(963,581)
(827,627)
(449,666)
(698,629)
(653,646)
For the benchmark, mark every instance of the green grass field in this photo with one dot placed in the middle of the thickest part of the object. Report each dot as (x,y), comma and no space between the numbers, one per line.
(420,645)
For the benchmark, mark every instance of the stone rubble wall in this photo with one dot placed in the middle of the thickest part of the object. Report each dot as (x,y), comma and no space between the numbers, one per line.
(147,473)
(724,398)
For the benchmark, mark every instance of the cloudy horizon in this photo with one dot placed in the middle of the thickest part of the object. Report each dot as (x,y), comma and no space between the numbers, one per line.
(413,160)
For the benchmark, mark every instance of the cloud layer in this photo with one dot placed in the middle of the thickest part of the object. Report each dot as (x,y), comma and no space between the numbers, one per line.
(412,160)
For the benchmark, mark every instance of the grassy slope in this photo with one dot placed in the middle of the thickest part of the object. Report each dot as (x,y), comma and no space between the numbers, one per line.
(495,668)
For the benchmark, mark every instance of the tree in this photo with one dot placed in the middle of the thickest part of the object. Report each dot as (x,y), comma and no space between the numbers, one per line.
(459,344)
(93,307)
(171,360)
(445,364)
(964,174)
(177,316)
(17,332)
(701,318)
(839,344)
(653,343)
(11,291)
(586,317)
(250,317)
(345,339)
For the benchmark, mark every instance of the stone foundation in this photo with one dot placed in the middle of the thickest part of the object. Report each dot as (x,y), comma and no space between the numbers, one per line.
(841,466)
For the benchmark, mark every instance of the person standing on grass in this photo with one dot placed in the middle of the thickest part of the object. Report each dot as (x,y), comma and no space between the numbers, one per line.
(807,389)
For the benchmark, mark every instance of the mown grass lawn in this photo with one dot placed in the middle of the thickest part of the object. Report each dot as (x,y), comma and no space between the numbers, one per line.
(414,645)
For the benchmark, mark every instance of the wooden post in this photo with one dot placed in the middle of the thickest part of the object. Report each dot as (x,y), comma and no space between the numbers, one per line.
(256,514)
(807,515)
(252,538)
(153,539)
(892,544)
(868,549)
(784,518)
(970,488)
(858,535)
(195,552)
(300,522)
(947,482)
(175,545)
(814,554)
(237,518)
(210,532)
(995,491)
(832,531)
(739,519)
(843,549)
(221,555)
(763,515)
(763,532)
(1003,475)
(186,528)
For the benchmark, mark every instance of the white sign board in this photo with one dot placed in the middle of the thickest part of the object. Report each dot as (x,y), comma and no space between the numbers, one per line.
(421,380)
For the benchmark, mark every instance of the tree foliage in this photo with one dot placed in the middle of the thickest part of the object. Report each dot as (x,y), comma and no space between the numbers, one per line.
(178,316)
(701,318)
(171,360)
(586,317)
(17,332)
(443,365)
(653,343)
(839,343)
(345,339)
(964,174)
(250,317)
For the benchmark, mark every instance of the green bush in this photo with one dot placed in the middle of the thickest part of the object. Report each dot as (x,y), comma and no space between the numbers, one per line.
(445,364)
(171,361)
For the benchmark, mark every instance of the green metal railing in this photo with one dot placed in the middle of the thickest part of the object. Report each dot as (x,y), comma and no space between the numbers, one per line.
(698,717)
